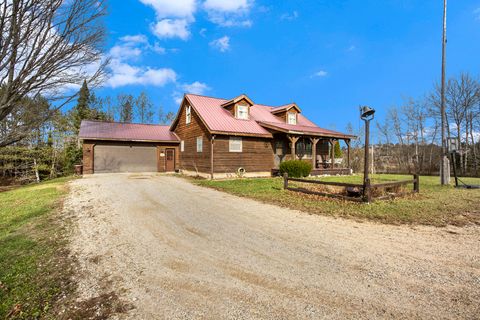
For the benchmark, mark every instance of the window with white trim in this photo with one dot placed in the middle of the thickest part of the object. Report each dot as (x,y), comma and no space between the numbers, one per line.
(242,112)
(182,146)
(199,144)
(235,144)
(188,114)
(291,118)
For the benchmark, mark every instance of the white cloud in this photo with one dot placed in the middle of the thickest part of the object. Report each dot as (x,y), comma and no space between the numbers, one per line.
(158,49)
(123,74)
(172,8)
(476,13)
(194,87)
(229,13)
(137,38)
(203,32)
(352,48)
(133,46)
(171,28)
(289,16)
(227,5)
(124,52)
(222,44)
(321,73)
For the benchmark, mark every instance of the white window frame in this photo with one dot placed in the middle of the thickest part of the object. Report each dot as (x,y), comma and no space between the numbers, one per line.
(235,144)
(188,114)
(292,120)
(245,113)
(200,144)
(182,146)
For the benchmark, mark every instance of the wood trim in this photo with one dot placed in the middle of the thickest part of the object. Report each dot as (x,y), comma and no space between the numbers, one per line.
(287,108)
(238,99)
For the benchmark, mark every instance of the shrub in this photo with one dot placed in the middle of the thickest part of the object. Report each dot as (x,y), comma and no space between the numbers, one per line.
(337,150)
(295,168)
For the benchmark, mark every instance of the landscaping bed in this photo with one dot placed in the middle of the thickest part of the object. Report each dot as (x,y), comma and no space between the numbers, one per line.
(434,205)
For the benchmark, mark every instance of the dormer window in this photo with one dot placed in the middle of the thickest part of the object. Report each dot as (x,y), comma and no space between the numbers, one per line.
(188,114)
(242,112)
(292,118)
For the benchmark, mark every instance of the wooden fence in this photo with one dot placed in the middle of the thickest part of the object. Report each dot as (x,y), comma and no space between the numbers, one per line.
(364,190)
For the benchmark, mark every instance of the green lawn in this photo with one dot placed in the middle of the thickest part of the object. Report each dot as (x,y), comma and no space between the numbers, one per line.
(435,205)
(30,244)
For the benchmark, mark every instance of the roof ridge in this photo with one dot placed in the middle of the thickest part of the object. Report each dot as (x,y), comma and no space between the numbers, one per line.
(120,122)
(202,95)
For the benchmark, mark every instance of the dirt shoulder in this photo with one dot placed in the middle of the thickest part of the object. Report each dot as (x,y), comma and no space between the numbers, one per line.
(169,249)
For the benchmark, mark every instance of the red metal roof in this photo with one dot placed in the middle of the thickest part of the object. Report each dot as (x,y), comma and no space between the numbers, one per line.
(284,127)
(100,130)
(218,119)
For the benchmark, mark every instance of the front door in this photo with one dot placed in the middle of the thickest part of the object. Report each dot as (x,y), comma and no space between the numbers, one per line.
(169,159)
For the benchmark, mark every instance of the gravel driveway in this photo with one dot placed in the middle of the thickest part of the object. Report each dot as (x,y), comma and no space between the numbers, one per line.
(173,250)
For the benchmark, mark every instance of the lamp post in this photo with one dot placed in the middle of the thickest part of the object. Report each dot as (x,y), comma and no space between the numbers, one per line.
(367,115)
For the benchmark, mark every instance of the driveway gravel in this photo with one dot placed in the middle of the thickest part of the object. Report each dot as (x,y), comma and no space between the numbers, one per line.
(173,250)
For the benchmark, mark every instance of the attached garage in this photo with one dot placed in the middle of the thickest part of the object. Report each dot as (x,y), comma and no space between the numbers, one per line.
(110,147)
(129,158)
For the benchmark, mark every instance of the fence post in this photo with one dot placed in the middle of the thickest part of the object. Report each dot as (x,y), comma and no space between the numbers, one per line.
(367,191)
(416,183)
(285,180)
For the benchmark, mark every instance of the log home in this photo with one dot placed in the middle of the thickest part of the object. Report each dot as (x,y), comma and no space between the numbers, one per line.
(214,138)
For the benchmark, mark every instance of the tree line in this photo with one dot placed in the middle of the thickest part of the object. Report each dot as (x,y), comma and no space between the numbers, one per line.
(408,139)
(52,148)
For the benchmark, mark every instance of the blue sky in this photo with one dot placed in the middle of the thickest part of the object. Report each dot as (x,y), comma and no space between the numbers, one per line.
(327,56)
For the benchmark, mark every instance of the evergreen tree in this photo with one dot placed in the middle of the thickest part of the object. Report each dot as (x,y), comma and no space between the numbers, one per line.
(337,150)
(82,109)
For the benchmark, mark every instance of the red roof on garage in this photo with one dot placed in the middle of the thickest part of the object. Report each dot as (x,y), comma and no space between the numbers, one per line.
(100,130)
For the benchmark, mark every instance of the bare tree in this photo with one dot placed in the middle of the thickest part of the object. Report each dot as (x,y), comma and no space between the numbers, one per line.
(462,96)
(143,108)
(165,118)
(46,47)
(125,106)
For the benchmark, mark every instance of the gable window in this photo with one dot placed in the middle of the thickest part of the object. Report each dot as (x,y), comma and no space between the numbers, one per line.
(235,144)
(182,146)
(242,112)
(188,114)
(291,118)
(199,144)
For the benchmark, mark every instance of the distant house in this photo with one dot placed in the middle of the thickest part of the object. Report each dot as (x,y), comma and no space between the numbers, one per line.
(213,137)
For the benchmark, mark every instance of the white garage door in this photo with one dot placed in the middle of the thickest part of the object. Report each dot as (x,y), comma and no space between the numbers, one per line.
(111,158)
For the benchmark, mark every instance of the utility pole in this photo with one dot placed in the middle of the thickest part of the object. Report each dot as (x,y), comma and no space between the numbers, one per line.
(444,162)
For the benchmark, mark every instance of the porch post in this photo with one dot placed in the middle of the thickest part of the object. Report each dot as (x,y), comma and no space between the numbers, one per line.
(314,152)
(332,155)
(347,141)
(293,140)
(212,140)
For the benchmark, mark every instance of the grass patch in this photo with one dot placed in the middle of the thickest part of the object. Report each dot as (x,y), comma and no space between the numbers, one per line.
(435,205)
(32,268)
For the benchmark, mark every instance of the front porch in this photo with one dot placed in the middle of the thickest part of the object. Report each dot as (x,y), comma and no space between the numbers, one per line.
(319,150)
